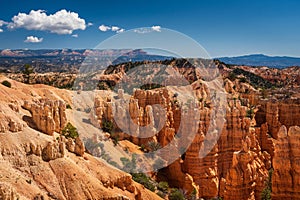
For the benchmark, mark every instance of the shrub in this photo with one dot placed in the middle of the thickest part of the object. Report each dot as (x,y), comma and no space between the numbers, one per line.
(253,79)
(232,76)
(144,180)
(266,193)
(161,194)
(150,86)
(106,157)
(107,126)
(243,80)
(6,83)
(27,69)
(153,146)
(113,163)
(163,186)
(68,106)
(129,165)
(176,194)
(250,113)
(193,195)
(143,148)
(70,131)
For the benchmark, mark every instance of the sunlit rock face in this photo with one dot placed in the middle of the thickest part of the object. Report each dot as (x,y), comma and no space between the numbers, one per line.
(286,163)
(39,163)
(49,116)
(235,167)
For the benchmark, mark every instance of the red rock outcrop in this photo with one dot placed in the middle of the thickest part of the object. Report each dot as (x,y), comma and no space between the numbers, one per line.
(48,115)
(246,178)
(219,172)
(8,119)
(213,172)
(62,174)
(7,192)
(288,77)
(266,142)
(277,113)
(286,164)
(143,122)
(33,166)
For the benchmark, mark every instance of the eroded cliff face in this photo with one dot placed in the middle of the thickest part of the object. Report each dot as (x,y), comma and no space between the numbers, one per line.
(48,116)
(35,165)
(231,170)
(39,163)
(235,168)
(8,118)
(286,163)
(252,142)
(248,173)
(278,112)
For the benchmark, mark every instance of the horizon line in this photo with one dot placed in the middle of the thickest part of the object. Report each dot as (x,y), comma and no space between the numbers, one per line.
(213,57)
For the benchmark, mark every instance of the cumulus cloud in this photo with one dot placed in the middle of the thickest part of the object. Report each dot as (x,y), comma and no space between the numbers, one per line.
(116,29)
(61,22)
(1,30)
(33,39)
(104,28)
(156,28)
(75,35)
(90,24)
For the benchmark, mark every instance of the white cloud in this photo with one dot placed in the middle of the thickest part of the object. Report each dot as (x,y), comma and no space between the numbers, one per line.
(1,30)
(90,24)
(121,30)
(116,29)
(33,39)
(2,22)
(104,28)
(61,22)
(156,28)
(75,35)
(147,29)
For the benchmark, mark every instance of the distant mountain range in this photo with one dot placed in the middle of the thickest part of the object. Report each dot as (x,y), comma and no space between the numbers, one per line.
(262,60)
(118,55)
(72,57)
(63,60)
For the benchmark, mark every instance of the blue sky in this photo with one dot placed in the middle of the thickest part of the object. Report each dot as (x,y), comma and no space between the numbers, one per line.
(222,27)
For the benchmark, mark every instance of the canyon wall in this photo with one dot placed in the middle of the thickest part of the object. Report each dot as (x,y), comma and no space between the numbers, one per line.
(286,164)
(235,168)
(278,112)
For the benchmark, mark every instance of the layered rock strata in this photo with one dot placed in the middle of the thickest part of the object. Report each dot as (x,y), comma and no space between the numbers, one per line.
(286,164)
(228,170)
